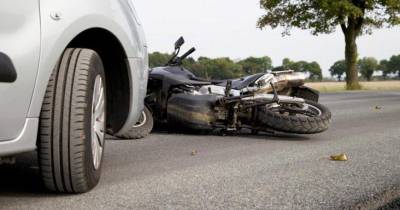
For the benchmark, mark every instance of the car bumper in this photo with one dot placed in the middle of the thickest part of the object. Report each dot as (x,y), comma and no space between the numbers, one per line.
(25,142)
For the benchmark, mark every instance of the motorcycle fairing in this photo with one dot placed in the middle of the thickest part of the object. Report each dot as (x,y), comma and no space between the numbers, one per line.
(241,83)
(192,111)
(175,75)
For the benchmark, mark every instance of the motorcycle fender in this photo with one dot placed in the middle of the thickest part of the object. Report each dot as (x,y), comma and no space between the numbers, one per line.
(305,93)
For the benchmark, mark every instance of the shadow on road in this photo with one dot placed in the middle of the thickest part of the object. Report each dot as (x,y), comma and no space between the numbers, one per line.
(165,129)
(22,178)
(245,133)
(276,137)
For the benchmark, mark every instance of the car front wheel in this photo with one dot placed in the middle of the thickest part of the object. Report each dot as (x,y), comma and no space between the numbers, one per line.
(71,137)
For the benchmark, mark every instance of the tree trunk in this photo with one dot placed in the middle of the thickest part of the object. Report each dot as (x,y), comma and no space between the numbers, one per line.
(351,60)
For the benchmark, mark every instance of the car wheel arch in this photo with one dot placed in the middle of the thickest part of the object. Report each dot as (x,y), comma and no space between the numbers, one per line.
(117,71)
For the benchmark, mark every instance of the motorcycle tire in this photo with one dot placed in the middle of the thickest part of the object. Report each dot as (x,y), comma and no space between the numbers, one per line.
(296,124)
(142,128)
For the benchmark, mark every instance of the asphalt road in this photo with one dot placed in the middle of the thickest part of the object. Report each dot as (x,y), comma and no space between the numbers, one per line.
(241,172)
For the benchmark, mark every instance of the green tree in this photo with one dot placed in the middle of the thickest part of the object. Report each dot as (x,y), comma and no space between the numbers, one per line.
(394,65)
(287,64)
(199,68)
(368,66)
(158,59)
(278,68)
(338,69)
(312,68)
(383,66)
(253,65)
(323,16)
(218,68)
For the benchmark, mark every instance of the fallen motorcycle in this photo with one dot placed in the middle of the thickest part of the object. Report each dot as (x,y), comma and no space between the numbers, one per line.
(268,102)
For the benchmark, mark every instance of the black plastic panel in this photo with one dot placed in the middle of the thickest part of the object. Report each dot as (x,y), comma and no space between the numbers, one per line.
(305,93)
(7,70)
(192,111)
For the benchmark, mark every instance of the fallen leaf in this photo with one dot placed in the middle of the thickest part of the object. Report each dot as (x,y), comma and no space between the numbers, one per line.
(193,153)
(341,157)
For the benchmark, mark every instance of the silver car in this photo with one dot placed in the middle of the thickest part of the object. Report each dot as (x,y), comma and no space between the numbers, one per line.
(70,71)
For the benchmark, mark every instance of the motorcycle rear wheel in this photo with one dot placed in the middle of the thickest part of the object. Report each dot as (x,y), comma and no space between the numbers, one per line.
(290,122)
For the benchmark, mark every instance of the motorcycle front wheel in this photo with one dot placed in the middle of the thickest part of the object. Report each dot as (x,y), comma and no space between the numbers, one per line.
(142,128)
(310,118)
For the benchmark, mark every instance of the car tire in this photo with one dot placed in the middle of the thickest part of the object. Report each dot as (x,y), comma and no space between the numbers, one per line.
(72,123)
(142,128)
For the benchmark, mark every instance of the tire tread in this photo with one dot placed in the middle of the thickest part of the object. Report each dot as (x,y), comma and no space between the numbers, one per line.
(296,124)
(61,140)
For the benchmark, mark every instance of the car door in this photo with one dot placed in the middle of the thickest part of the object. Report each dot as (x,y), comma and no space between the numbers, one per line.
(19,59)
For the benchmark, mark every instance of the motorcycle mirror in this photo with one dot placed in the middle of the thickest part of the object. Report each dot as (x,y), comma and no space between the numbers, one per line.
(179,43)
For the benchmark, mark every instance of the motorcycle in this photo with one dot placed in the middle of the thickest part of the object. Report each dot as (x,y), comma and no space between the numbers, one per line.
(267,102)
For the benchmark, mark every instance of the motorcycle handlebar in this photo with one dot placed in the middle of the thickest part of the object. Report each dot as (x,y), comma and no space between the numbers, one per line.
(187,53)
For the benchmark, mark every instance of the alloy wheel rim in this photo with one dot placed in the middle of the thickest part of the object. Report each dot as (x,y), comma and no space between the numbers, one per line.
(313,109)
(142,120)
(97,123)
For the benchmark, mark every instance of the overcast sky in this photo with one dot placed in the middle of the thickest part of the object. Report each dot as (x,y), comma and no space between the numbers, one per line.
(227,28)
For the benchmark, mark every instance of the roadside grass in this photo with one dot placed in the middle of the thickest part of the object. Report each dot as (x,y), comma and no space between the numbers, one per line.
(329,87)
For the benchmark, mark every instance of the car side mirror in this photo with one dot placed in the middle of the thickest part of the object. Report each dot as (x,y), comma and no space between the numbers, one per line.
(179,43)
